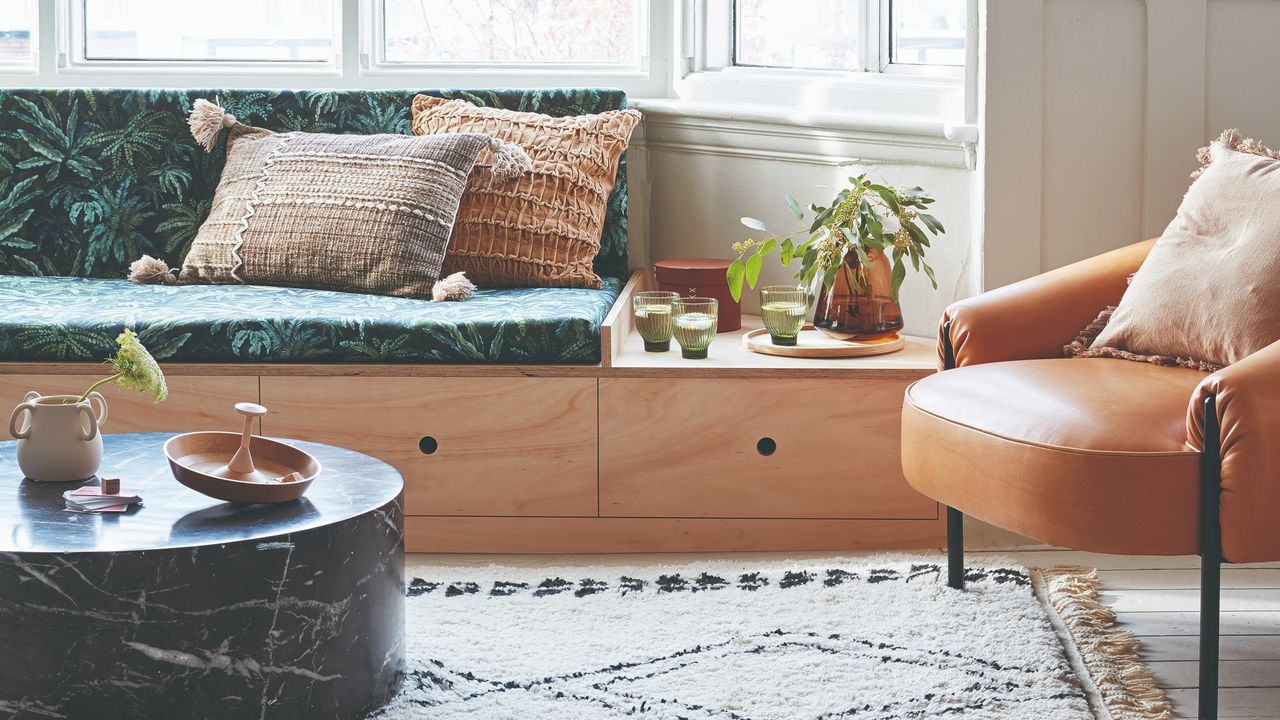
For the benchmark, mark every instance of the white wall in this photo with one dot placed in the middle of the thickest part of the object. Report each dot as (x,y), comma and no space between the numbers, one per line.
(1093,111)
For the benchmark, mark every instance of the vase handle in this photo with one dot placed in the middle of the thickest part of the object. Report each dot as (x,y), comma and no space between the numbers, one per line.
(101,410)
(87,411)
(13,421)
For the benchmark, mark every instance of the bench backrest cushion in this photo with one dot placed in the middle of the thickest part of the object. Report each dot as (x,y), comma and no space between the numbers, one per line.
(92,179)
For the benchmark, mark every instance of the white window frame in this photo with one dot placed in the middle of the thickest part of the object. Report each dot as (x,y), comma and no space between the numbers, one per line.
(706,73)
(71,60)
(647,76)
(31,65)
(373,54)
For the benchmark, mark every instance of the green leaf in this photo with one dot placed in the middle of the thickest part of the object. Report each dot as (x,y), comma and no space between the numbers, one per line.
(862,255)
(754,224)
(788,250)
(768,246)
(808,263)
(929,271)
(734,276)
(917,234)
(899,274)
(829,277)
(795,208)
(13,227)
(822,218)
(887,195)
(932,223)
(754,264)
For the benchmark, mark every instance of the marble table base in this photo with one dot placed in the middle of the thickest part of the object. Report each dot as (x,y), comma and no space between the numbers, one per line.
(308,624)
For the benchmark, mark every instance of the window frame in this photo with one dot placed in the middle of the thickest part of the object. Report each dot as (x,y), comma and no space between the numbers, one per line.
(706,73)
(71,60)
(373,53)
(31,65)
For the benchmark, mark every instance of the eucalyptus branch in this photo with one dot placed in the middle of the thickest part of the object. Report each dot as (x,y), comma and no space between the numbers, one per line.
(863,217)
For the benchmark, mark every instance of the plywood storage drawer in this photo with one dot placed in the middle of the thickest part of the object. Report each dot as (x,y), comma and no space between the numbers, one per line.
(488,446)
(195,402)
(739,448)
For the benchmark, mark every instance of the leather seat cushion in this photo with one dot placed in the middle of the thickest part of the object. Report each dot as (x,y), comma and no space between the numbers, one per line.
(1087,453)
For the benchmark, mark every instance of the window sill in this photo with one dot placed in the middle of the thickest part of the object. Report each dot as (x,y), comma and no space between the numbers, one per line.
(798,135)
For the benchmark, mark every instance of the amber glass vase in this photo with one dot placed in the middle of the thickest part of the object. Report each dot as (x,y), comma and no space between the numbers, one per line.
(860,304)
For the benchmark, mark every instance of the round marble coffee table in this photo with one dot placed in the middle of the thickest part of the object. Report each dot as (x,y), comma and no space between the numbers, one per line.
(189,607)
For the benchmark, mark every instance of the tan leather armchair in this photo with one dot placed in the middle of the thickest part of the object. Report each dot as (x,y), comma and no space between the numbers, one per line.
(1097,454)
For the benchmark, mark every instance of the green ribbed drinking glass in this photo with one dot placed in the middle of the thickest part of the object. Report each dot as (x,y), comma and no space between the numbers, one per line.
(695,325)
(783,307)
(653,310)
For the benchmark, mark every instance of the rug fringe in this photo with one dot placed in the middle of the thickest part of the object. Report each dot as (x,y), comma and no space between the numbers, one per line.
(1110,654)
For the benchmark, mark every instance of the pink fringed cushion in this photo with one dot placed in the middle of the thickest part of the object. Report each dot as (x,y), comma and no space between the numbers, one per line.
(1207,295)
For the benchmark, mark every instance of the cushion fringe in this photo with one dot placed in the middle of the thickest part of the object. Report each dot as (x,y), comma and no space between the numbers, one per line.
(1127,687)
(1080,347)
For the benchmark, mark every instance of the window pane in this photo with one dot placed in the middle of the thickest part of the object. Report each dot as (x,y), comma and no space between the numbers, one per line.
(815,34)
(229,30)
(928,32)
(17,24)
(501,31)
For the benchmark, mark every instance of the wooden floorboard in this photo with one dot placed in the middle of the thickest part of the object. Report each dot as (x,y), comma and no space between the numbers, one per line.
(1155,597)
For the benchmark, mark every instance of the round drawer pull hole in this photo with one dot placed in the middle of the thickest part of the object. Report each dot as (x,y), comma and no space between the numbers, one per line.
(766,446)
(428,445)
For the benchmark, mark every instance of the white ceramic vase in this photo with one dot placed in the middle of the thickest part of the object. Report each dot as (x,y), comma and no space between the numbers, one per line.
(58,437)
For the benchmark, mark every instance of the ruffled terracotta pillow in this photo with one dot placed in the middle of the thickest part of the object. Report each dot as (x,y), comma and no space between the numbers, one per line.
(542,229)
(1206,296)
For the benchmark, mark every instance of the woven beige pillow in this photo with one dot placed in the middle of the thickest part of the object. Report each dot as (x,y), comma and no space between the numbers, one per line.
(1207,294)
(356,213)
(543,229)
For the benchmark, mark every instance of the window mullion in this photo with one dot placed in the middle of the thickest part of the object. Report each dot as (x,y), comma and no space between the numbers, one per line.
(869,32)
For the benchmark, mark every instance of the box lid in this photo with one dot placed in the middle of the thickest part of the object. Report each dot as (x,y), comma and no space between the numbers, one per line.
(692,271)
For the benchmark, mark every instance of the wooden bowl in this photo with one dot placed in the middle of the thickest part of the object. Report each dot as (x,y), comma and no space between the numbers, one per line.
(198,461)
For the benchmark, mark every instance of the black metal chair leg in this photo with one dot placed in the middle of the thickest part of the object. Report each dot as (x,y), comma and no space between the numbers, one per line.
(1210,561)
(955,518)
(955,548)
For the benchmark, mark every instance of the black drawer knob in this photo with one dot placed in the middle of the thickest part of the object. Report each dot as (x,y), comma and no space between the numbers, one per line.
(766,446)
(428,445)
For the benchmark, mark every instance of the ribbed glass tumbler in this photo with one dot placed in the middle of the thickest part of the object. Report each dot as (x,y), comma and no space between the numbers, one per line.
(695,325)
(782,308)
(653,311)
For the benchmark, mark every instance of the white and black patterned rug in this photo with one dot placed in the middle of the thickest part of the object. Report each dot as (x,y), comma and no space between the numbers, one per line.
(863,640)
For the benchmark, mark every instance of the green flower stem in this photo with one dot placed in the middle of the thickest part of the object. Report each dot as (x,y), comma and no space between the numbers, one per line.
(97,385)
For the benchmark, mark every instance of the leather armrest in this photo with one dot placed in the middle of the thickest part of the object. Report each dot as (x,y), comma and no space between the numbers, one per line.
(1036,317)
(1247,400)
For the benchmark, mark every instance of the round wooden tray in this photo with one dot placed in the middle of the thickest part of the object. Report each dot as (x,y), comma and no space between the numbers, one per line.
(812,343)
(199,461)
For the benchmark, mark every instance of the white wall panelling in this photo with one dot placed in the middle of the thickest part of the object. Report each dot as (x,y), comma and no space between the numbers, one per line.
(1093,111)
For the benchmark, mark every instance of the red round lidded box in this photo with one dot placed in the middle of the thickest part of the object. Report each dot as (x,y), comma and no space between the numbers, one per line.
(701,277)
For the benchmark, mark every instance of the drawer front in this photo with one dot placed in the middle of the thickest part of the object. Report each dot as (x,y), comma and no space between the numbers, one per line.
(195,402)
(736,448)
(465,446)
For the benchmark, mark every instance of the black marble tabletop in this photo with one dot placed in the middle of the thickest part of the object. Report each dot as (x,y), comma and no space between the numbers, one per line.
(33,518)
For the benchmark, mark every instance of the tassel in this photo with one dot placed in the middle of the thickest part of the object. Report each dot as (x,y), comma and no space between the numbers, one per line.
(1234,140)
(510,161)
(454,287)
(147,270)
(207,120)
